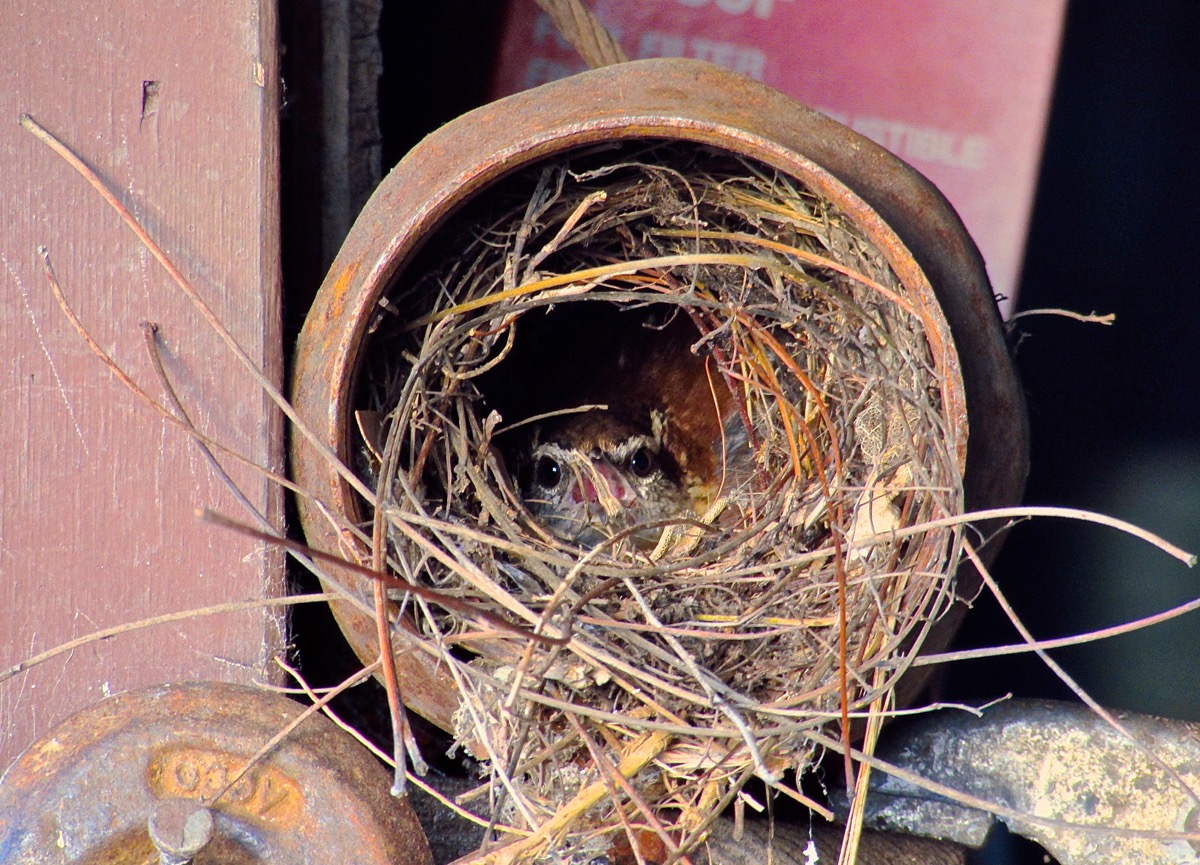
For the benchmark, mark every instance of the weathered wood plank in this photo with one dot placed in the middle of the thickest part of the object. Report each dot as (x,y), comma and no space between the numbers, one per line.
(175,104)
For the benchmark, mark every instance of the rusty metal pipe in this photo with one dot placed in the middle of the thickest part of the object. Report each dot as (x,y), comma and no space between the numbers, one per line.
(670,99)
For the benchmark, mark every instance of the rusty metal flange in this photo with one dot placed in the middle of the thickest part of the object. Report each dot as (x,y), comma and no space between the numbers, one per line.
(671,99)
(126,780)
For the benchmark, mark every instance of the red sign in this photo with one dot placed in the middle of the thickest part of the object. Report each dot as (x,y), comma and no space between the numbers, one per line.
(958,88)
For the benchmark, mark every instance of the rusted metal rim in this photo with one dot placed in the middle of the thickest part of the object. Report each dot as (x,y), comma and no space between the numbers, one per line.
(90,790)
(671,99)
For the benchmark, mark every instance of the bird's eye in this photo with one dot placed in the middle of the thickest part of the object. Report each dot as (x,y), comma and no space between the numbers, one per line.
(548,472)
(642,462)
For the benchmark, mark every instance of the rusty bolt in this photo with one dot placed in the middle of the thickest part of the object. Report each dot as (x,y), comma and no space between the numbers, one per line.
(180,828)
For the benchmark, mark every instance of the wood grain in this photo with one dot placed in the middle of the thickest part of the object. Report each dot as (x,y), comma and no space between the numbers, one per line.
(175,105)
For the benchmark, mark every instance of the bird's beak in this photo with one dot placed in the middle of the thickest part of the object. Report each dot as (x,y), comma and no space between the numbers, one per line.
(598,482)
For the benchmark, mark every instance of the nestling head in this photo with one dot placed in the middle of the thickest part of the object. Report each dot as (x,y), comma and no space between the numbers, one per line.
(596,473)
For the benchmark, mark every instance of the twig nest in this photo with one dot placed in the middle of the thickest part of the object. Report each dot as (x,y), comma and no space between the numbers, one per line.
(706,649)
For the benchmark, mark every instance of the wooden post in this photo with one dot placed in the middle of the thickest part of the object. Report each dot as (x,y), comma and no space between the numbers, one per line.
(175,104)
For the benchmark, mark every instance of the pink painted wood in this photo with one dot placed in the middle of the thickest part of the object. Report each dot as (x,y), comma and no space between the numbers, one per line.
(175,104)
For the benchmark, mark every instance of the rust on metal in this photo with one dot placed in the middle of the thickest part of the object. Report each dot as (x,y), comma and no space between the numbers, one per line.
(91,789)
(180,828)
(265,796)
(671,99)
(1058,773)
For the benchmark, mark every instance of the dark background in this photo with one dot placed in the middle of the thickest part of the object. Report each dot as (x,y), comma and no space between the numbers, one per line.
(1114,411)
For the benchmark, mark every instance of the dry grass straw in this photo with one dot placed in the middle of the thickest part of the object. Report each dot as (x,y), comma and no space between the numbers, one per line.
(740,634)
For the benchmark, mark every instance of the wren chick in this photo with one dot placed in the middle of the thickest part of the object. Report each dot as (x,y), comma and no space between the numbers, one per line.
(596,474)
(658,451)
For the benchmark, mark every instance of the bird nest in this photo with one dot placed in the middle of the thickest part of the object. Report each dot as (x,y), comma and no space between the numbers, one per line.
(668,673)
